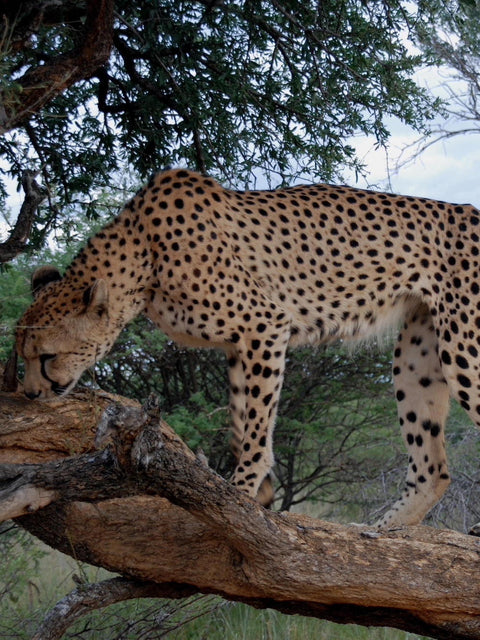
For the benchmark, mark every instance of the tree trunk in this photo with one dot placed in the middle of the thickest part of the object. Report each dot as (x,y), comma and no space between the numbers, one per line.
(148,508)
(20,234)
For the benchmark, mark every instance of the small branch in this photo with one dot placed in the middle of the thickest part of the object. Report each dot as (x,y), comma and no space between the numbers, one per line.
(20,498)
(34,195)
(90,597)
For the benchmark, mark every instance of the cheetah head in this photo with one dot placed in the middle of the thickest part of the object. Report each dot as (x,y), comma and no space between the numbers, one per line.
(62,333)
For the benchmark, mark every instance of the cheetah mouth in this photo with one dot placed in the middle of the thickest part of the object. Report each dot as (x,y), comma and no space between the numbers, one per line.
(62,389)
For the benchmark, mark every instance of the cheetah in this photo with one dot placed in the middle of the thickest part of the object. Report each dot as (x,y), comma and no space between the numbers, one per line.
(254,272)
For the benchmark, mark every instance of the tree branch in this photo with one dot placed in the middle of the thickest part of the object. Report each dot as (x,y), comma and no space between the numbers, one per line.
(87,598)
(44,82)
(24,18)
(8,379)
(34,195)
(106,510)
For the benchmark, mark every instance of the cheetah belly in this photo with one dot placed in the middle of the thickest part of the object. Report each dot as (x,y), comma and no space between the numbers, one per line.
(347,322)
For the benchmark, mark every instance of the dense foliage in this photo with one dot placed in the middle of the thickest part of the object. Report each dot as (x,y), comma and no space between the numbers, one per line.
(244,90)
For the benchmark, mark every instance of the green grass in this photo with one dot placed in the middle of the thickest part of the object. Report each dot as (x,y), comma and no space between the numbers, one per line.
(239,622)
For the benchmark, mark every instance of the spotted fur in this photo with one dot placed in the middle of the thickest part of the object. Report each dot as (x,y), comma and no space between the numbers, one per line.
(254,272)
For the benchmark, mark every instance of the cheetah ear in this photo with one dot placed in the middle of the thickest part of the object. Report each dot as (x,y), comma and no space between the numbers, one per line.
(95,298)
(43,276)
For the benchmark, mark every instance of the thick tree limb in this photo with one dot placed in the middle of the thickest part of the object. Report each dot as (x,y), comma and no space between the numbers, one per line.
(44,82)
(208,536)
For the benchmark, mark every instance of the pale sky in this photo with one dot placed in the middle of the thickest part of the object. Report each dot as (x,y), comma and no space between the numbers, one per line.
(448,170)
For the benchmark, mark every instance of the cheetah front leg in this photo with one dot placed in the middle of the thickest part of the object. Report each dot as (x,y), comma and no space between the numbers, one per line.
(256,368)
(238,412)
(423,400)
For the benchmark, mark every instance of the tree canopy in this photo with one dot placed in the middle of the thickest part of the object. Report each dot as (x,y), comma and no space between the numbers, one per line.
(237,89)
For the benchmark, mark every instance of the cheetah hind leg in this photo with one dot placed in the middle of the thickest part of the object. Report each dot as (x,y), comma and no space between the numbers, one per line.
(423,401)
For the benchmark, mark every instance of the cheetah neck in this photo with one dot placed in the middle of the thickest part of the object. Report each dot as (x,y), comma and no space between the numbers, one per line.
(120,255)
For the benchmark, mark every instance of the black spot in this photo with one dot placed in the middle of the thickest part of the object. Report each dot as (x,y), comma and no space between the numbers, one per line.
(267,399)
(473,351)
(464,381)
(435,430)
(446,359)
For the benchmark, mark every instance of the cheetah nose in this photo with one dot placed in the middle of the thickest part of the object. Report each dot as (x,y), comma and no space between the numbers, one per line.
(31,395)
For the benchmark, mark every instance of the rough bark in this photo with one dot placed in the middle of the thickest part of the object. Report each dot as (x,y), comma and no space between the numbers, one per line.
(106,509)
